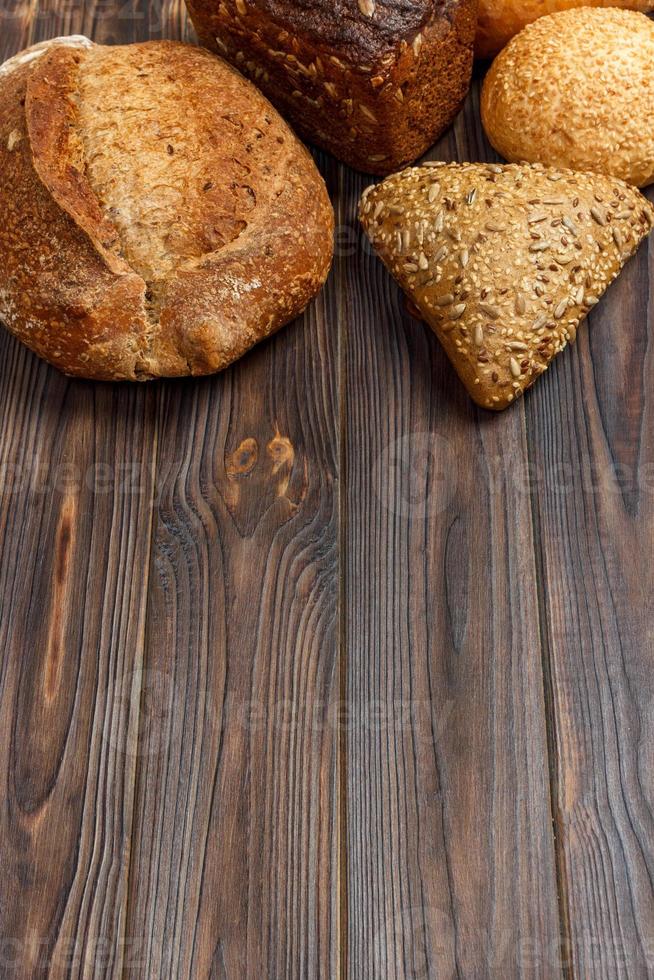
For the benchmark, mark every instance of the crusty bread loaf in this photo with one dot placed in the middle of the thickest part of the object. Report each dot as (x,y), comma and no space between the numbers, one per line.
(576,89)
(503,262)
(373,81)
(500,20)
(159,218)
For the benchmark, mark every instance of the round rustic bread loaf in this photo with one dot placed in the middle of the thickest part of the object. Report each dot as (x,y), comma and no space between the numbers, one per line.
(159,217)
(500,20)
(576,90)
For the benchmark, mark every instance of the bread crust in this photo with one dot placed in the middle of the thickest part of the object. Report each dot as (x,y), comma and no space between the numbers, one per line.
(67,287)
(500,20)
(503,263)
(375,82)
(576,89)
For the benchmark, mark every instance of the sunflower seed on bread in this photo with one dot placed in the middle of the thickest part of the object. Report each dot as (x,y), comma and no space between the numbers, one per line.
(372,81)
(503,315)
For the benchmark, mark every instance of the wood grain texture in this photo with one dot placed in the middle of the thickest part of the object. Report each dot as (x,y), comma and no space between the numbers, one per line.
(235,869)
(77,477)
(450,848)
(77,468)
(591,450)
(312,669)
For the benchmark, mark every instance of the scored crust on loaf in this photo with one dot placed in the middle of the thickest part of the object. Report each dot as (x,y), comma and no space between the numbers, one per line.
(576,89)
(503,262)
(373,81)
(160,217)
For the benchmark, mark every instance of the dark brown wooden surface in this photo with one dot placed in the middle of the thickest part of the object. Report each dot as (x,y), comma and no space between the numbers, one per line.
(313,669)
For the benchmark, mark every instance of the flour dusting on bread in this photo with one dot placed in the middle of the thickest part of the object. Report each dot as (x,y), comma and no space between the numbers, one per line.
(38,50)
(160,216)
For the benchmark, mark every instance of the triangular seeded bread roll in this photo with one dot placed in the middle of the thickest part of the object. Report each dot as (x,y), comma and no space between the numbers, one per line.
(503,262)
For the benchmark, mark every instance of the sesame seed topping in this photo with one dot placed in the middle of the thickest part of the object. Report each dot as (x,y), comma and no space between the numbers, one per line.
(511,278)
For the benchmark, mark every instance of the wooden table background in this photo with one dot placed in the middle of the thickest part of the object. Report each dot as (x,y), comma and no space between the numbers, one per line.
(313,669)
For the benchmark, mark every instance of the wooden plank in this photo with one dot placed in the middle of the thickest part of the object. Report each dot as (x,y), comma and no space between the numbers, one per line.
(451,865)
(75,520)
(16,24)
(77,483)
(234,869)
(591,440)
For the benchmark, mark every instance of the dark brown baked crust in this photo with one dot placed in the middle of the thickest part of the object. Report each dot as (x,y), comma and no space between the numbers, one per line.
(341,23)
(69,286)
(374,81)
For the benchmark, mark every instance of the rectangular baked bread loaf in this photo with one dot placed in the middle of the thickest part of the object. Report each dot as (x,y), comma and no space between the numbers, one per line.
(374,81)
